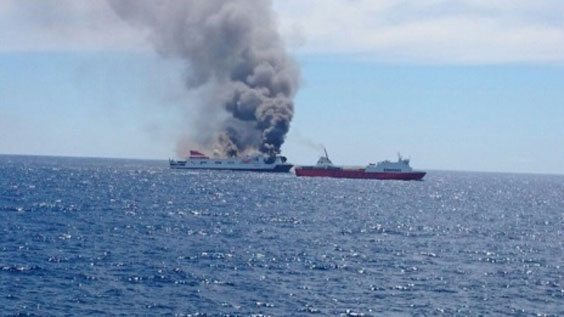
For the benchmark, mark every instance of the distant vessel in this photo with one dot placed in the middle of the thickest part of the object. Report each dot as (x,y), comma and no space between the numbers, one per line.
(255,163)
(399,170)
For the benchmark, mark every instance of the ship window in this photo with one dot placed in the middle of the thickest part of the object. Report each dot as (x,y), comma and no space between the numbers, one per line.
(230,162)
(203,162)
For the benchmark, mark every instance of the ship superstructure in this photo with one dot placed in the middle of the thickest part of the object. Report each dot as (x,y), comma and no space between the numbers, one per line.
(256,163)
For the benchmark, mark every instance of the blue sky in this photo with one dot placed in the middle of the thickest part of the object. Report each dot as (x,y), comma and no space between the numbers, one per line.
(476,117)
(485,94)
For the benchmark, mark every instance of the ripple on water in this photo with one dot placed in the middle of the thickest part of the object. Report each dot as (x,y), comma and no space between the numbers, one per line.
(87,236)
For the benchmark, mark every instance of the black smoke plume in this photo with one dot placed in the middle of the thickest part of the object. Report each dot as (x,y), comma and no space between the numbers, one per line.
(233,47)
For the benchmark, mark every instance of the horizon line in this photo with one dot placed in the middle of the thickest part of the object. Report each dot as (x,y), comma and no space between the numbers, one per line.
(165,160)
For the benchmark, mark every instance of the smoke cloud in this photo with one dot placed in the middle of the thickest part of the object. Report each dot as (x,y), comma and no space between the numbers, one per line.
(233,49)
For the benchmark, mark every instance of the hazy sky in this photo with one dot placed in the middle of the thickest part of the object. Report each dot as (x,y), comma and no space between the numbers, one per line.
(463,85)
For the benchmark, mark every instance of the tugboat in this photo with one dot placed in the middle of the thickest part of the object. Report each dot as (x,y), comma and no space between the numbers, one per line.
(399,170)
(254,163)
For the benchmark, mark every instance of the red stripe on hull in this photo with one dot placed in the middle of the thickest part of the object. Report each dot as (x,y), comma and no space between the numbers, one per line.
(360,174)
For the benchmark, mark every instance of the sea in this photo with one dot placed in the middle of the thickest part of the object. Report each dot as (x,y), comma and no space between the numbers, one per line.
(104,237)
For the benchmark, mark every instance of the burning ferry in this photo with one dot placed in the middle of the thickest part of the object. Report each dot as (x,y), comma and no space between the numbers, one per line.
(254,163)
(399,170)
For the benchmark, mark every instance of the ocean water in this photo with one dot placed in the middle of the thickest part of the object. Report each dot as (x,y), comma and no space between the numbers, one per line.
(118,237)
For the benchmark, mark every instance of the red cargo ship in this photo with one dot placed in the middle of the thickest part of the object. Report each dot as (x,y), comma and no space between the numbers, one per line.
(399,170)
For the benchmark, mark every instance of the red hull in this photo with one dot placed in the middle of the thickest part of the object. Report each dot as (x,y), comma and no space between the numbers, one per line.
(358,173)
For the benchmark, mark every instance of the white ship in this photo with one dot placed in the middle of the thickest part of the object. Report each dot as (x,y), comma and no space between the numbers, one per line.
(255,163)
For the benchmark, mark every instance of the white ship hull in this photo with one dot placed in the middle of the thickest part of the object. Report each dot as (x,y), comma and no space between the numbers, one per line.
(255,163)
